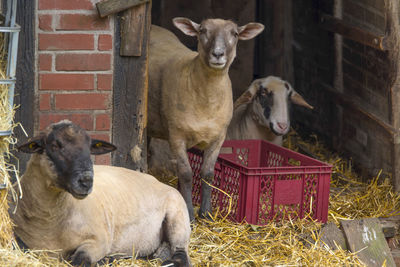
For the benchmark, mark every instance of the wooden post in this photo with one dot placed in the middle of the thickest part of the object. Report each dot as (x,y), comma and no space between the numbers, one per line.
(276,42)
(131,87)
(393,44)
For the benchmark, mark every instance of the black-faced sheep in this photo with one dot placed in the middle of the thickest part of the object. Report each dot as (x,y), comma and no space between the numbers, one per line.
(89,211)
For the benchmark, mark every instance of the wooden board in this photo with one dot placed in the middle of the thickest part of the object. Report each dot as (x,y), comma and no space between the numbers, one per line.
(351,32)
(365,237)
(25,74)
(333,237)
(109,7)
(130,101)
(132,27)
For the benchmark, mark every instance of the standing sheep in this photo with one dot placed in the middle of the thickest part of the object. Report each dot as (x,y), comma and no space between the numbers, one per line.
(262,111)
(89,211)
(190,94)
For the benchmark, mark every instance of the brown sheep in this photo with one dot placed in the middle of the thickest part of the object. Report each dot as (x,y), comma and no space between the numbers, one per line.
(190,94)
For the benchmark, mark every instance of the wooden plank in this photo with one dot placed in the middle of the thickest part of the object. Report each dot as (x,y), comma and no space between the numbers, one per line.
(25,75)
(130,101)
(132,27)
(365,237)
(393,43)
(333,237)
(351,32)
(390,225)
(109,7)
(275,45)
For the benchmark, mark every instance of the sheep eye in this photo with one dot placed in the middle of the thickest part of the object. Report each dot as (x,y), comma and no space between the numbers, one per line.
(234,33)
(202,31)
(57,145)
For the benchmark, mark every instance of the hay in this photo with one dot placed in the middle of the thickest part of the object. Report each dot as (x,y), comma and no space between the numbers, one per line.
(6,123)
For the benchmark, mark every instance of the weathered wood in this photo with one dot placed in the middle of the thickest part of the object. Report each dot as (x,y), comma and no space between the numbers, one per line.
(393,43)
(365,237)
(25,75)
(348,103)
(109,7)
(275,48)
(333,237)
(390,225)
(132,27)
(351,32)
(130,102)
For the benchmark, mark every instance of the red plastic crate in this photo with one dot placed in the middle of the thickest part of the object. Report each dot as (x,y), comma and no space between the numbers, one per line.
(265,182)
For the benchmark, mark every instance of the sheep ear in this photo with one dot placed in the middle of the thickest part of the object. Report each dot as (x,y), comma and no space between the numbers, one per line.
(248,95)
(33,146)
(99,147)
(187,26)
(299,100)
(250,30)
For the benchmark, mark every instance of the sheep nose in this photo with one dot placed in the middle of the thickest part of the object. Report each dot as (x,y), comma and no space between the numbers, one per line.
(217,53)
(283,126)
(86,180)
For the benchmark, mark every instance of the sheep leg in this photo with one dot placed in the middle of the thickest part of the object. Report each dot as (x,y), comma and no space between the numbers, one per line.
(177,229)
(184,174)
(207,175)
(88,253)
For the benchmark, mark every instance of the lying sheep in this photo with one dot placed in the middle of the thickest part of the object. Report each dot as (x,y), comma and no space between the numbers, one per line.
(190,94)
(89,211)
(262,111)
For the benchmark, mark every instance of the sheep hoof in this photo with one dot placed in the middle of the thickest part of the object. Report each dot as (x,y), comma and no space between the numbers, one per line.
(80,258)
(206,216)
(179,259)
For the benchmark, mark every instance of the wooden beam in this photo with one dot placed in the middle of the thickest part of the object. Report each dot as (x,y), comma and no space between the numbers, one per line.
(351,32)
(132,27)
(393,43)
(25,84)
(130,101)
(365,237)
(109,7)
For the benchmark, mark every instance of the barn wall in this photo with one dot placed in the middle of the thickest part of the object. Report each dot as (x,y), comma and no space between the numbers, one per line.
(74,67)
(354,117)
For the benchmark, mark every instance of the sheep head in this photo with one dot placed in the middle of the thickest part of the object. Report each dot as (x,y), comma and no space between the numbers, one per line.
(64,150)
(217,39)
(269,101)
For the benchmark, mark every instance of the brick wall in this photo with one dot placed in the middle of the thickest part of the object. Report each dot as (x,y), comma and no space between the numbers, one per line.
(74,67)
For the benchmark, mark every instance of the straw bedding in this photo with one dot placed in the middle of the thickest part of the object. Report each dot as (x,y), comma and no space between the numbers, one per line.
(286,243)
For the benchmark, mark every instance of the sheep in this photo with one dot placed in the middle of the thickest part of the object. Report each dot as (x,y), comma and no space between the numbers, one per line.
(262,111)
(190,94)
(89,211)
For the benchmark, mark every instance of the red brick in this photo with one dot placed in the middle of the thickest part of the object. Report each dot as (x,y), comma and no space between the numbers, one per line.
(45,102)
(83,62)
(82,101)
(66,4)
(45,62)
(104,137)
(83,120)
(104,81)
(105,42)
(82,22)
(61,81)
(45,22)
(104,159)
(103,122)
(66,41)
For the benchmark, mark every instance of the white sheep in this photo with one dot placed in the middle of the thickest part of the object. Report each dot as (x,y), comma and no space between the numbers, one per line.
(262,111)
(190,94)
(88,212)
